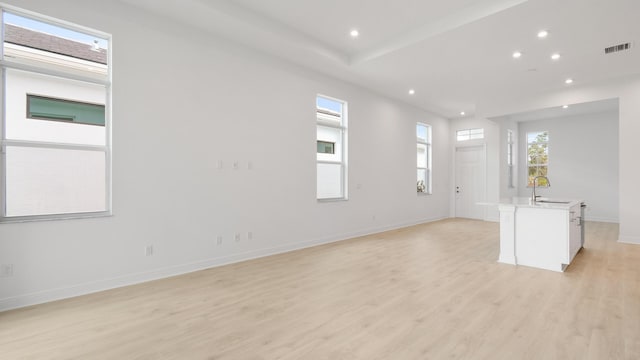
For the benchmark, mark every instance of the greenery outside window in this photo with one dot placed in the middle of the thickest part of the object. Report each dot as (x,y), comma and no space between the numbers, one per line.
(537,157)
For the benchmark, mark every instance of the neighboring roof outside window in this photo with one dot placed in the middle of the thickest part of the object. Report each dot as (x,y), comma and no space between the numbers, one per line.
(42,41)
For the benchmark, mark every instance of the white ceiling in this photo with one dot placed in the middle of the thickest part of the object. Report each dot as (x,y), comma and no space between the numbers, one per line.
(456,54)
(593,107)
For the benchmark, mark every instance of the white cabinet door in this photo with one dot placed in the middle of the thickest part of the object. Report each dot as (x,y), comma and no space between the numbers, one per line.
(575,231)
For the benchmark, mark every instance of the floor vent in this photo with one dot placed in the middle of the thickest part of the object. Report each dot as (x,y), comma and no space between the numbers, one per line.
(616,48)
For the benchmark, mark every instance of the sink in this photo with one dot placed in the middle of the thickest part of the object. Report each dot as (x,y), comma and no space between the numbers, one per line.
(553,201)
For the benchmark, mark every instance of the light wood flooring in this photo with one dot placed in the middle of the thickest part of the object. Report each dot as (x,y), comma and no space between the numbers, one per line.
(432,291)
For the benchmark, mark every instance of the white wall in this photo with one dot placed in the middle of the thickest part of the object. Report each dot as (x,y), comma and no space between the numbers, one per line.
(628,93)
(183,102)
(491,142)
(583,161)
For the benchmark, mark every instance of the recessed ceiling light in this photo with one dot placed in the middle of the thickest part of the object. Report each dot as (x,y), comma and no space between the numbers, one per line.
(555,56)
(543,34)
(516,54)
(568,81)
(462,113)
(354,33)
(565,106)
(411,92)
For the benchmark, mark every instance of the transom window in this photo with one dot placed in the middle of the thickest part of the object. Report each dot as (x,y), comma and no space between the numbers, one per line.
(470,134)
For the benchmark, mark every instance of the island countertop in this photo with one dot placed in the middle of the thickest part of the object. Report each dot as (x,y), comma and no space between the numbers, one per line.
(541,203)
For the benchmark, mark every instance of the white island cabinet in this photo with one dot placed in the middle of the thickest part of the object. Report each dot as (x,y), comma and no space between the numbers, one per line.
(546,234)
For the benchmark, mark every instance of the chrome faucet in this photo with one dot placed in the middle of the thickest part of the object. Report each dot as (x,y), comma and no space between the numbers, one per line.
(534,197)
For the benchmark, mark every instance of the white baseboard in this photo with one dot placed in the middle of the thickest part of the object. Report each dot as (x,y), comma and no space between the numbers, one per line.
(629,239)
(601,219)
(50,295)
(506,259)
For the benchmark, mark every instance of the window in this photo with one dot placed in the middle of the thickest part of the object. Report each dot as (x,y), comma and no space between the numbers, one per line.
(423,135)
(326,147)
(55,130)
(469,134)
(537,156)
(510,158)
(331,156)
(46,108)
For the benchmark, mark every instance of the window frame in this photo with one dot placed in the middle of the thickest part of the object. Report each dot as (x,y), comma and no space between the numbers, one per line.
(529,165)
(7,64)
(428,143)
(510,158)
(342,126)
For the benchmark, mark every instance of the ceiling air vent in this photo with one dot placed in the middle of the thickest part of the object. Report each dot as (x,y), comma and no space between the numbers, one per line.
(616,48)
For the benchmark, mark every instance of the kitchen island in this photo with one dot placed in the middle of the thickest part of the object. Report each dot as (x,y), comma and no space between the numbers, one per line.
(546,234)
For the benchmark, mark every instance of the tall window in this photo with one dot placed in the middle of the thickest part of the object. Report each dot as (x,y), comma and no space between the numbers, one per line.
(510,142)
(423,135)
(331,142)
(55,130)
(537,156)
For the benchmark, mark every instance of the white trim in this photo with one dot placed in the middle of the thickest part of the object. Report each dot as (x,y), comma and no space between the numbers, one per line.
(161,273)
(626,239)
(53,145)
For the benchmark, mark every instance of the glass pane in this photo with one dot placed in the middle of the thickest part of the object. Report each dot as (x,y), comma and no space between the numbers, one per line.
(537,171)
(422,181)
(538,154)
(41,181)
(41,44)
(462,135)
(329,105)
(326,147)
(329,181)
(330,135)
(476,134)
(21,85)
(538,137)
(46,108)
(422,156)
(422,133)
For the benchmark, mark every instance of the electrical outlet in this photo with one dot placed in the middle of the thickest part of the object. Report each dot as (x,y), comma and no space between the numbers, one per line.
(148,250)
(236,165)
(219,240)
(237,237)
(6,270)
(249,235)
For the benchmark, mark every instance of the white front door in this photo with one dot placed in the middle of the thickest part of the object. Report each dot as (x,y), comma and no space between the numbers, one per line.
(470,182)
